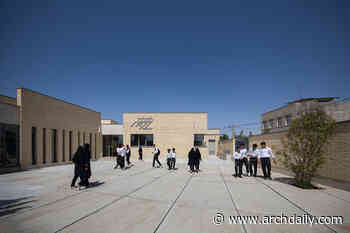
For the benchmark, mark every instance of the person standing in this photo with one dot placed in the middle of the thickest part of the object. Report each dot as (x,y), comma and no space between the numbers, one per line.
(197,159)
(140,153)
(86,167)
(244,156)
(173,158)
(77,160)
(156,153)
(117,157)
(191,159)
(265,153)
(238,163)
(122,157)
(253,160)
(128,154)
(168,159)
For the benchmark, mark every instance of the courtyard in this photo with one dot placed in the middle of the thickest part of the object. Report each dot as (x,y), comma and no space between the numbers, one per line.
(145,199)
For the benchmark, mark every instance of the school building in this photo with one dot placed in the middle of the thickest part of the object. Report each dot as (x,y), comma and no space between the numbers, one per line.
(38,130)
(180,130)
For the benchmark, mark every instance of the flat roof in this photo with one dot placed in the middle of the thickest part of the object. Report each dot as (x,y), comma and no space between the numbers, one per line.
(59,99)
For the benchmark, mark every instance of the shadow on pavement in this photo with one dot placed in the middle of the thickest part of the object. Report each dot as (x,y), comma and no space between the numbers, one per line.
(12,206)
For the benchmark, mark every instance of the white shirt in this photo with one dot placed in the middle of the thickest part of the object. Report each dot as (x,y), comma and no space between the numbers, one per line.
(254,153)
(244,153)
(122,152)
(237,155)
(173,155)
(266,153)
(168,155)
(155,150)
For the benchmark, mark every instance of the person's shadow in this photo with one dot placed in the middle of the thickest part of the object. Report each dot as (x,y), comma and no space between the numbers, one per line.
(95,184)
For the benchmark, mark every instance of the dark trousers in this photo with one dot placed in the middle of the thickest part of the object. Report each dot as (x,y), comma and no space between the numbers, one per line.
(245,162)
(238,167)
(196,164)
(155,159)
(120,162)
(128,159)
(191,166)
(253,166)
(266,166)
(140,155)
(76,175)
(168,161)
(173,161)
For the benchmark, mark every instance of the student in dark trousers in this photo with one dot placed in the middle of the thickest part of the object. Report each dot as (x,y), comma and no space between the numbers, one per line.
(265,155)
(173,158)
(253,160)
(128,154)
(191,159)
(78,162)
(198,158)
(140,153)
(238,163)
(168,159)
(86,167)
(244,156)
(156,153)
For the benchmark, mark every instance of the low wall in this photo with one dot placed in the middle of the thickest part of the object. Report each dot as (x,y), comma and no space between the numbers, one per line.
(225,147)
(337,161)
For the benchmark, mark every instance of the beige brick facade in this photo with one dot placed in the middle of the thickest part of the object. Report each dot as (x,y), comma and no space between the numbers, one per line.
(171,130)
(47,113)
(338,151)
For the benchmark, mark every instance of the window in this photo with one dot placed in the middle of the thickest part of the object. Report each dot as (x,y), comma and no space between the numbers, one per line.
(279,122)
(54,145)
(288,120)
(63,145)
(90,140)
(33,145)
(141,140)
(44,145)
(265,125)
(198,140)
(272,124)
(84,138)
(70,145)
(78,138)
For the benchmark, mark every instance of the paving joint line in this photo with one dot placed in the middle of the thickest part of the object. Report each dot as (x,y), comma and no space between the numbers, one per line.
(173,204)
(110,203)
(233,202)
(293,203)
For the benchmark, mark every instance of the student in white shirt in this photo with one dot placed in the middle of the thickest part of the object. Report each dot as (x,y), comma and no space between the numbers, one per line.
(156,153)
(265,153)
(238,163)
(245,160)
(173,158)
(253,160)
(168,157)
(120,157)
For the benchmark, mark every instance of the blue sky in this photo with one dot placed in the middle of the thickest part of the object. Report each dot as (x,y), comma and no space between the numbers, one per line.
(232,59)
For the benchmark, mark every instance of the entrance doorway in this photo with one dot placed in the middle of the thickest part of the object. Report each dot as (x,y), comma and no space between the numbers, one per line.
(212,147)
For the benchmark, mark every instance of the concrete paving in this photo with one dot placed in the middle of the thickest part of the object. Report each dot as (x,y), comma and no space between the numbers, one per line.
(145,199)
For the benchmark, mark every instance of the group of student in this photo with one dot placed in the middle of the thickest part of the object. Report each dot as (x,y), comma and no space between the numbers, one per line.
(123,153)
(250,160)
(82,168)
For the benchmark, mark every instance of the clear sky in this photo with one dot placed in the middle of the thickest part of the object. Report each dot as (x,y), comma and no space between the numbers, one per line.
(232,59)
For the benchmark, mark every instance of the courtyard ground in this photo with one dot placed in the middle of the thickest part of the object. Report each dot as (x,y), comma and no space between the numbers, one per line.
(145,199)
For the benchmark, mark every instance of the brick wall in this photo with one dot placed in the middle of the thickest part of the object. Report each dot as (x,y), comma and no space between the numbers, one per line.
(337,162)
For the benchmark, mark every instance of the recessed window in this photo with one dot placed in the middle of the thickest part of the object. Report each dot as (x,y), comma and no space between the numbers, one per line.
(70,145)
(288,120)
(279,122)
(271,124)
(44,145)
(54,145)
(198,140)
(33,145)
(141,140)
(63,145)
(265,125)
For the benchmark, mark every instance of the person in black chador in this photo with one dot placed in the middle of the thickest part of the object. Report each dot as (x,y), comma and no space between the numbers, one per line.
(197,159)
(191,159)
(140,153)
(86,168)
(78,163)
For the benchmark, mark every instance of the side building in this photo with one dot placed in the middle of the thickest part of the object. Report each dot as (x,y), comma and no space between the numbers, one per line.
(50,130)
(170,130)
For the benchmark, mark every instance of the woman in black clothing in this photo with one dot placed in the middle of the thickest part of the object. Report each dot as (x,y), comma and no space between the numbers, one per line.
(78,163)
(86,168)
(140,153)
(191,159)
(197,159)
